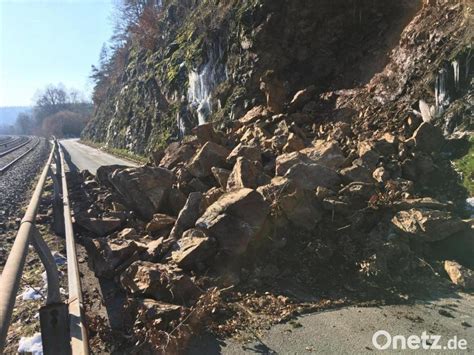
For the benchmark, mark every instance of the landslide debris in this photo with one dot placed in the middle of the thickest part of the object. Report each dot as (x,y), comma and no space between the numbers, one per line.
(306,201)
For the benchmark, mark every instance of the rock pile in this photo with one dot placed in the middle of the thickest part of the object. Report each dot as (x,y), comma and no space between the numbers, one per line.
(310,188)
(217,204)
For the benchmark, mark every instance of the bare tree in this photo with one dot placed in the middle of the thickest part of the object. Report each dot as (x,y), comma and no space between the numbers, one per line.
(24,124)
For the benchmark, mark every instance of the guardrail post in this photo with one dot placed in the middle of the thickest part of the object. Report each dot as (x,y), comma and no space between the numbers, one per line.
(52,272)
(55,329)
(53,316)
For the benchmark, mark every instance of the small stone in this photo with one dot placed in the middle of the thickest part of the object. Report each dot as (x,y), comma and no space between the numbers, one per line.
(459,274)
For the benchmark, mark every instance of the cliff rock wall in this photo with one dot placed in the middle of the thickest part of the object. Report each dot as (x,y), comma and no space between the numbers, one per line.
(215,56)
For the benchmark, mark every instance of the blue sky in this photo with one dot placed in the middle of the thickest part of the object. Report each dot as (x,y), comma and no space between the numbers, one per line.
(49,42)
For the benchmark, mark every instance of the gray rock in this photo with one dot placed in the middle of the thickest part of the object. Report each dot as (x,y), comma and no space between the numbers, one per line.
(163,282)
(235,219)
(194,248)
(310,176)
(144,189)
(188,215)
(428,138)
(210,155)
(428,225)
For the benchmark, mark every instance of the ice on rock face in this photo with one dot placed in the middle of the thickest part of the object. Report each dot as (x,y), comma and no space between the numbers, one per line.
(32,345)
(441,94)
(202,81)
(455,65)
(180,124)
(200,84)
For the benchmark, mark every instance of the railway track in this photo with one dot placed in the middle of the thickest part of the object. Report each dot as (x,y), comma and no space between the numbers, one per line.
(13,144)
(8,158)
(5,139)
(63,329)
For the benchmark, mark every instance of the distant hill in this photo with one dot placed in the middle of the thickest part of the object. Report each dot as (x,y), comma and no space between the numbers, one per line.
(9,114)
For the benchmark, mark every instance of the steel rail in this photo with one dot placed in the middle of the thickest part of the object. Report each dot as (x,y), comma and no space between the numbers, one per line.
(77,328)
(10,164)
(11,275)
(6,140)
(2,154)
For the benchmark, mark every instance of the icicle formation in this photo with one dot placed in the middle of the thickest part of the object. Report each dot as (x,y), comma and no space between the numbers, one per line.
(441,94)
(202,81)
(199,95)
(455,65)
(180,124)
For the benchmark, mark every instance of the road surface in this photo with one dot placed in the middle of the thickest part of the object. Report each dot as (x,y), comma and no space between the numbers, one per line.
(84,157)
(349,330)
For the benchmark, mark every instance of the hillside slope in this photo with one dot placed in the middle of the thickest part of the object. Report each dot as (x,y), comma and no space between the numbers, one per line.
(214,56)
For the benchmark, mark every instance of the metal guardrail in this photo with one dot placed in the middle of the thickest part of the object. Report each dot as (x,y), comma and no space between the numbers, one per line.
(79,344)
(62,325)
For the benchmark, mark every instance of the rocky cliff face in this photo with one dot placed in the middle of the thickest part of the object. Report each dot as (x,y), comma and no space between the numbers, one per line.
(215,56)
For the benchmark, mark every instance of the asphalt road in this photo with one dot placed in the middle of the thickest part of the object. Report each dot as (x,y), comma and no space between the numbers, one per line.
(84,157)
(350,330)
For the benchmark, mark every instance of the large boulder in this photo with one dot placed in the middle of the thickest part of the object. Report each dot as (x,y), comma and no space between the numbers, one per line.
(206,133)
(250,152)
(310,176)
(103,173)
(327,154)
(419,168)
(387,144)
(254,114)
(221,176)
(211,154)
(107,255)
(211,196)
(163,282)
(295,203)
(428,138)
(245,174)
(175,154)
(193,249)
(357,173)
(144,188)
(285,161)
(159,221)
(357,194)
(99,226)
(188,215)
(235,219)
(459,274)
(428,225)
(293,143)
(368,153)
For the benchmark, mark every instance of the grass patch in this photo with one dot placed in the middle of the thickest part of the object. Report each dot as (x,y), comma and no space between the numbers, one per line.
(465,166)
(121,153)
